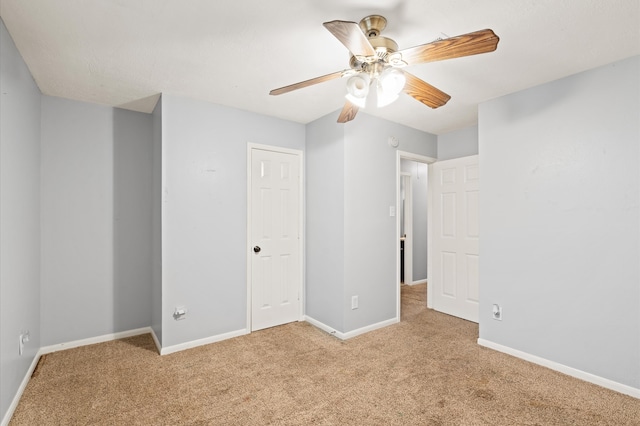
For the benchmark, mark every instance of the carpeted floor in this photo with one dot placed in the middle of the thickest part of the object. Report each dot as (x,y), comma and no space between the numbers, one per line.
(426,370)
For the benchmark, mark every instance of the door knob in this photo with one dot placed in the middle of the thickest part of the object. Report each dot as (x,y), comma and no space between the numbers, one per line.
(257,249)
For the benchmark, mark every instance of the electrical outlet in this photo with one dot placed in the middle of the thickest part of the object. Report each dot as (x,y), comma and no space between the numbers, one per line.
(23,338)
(354,302)
(180,313)
(497,312)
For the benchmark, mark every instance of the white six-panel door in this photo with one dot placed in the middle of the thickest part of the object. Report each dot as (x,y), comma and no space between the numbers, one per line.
(455,185)
(275,238)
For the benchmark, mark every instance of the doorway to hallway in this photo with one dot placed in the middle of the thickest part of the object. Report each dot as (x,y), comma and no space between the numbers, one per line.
(412,221)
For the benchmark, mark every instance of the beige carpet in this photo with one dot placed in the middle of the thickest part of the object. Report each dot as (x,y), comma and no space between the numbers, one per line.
(426,370)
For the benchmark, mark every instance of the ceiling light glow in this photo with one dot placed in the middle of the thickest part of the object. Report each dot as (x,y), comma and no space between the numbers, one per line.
(358,89)
(392,80)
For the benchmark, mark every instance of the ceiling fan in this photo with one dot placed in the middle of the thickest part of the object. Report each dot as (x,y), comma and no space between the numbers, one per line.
(377,58)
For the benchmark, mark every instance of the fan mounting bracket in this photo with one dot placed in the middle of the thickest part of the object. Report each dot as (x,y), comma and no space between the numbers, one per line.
(373,25)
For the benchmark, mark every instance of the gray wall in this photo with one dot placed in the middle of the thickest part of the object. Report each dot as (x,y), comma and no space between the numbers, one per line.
(204,212)
(459,143)
(95,220)
(370,233)
(419,188)
(559,221)
(90,193)
(19,218)
(132,196)
(351,239)
(324,283)
(156,223)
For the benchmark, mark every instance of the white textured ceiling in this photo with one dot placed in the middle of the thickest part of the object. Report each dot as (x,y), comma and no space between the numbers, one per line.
(125,52)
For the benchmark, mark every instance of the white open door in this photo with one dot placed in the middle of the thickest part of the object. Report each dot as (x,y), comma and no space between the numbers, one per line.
(274,237)
(455,185)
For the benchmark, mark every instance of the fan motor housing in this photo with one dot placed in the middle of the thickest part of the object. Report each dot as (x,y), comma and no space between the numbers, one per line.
(383,44)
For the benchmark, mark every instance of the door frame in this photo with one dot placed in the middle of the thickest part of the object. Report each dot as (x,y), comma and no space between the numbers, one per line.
(408,226)
(301,225)
(405,155)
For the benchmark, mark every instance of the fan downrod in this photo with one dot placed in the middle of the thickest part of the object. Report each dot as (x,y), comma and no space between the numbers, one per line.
(373,25)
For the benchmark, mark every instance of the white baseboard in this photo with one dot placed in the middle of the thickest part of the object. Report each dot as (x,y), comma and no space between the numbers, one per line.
(352,333)
(94,340)
(106,338)
(418,282)
(200,342)
(156,340)
(381,324)
(569,371)
(16,399)
(61,347)
(322,326)
(136,332)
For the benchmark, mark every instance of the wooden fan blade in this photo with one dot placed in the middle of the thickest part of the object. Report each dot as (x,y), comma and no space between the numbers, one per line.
(483,41)
(350,34)
(424,92)
(306,83)
(348,113)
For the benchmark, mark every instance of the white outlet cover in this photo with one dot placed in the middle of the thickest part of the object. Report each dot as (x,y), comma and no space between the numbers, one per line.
(497,312)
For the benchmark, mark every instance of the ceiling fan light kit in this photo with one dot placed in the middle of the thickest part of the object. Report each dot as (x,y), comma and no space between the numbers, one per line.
(377,58)
(390,83)
(384,98)
(358,89)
